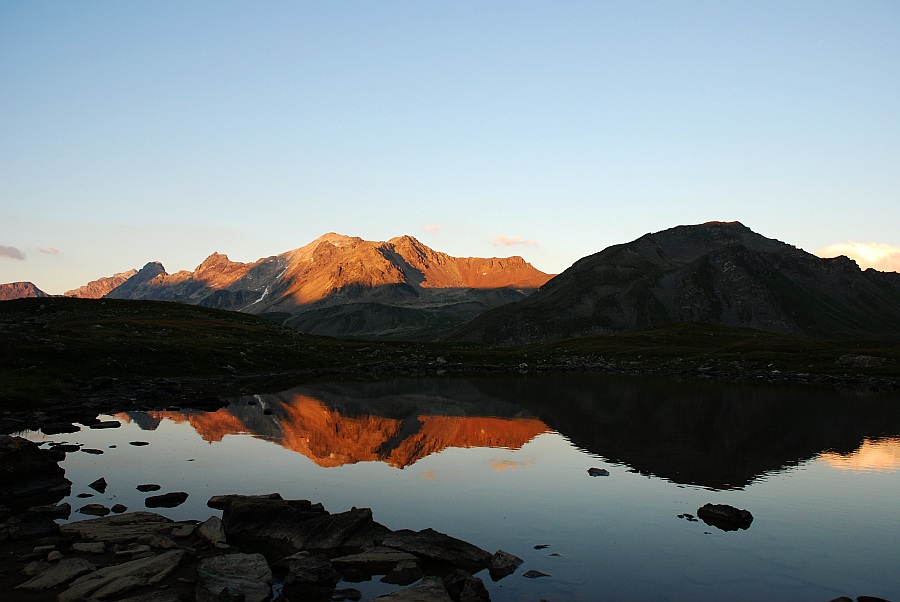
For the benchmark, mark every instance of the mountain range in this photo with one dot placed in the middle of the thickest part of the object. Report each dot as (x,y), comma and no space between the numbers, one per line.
(346,286)
(718,273)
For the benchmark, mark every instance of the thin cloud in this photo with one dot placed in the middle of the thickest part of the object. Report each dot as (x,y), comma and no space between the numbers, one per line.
(881,256)
(11,253)
(511,241)
(48,250)
(433,228)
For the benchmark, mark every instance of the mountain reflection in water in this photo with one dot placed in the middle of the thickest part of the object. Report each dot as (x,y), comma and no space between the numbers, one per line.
(704,434)
(334,425)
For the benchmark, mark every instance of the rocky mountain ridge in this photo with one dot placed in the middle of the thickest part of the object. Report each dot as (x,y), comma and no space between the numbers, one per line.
(20,290)
(716,273)
(346,286)
(95,289)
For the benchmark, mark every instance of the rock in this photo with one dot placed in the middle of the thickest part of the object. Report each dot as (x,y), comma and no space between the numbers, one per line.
(303,568)
(288,526)
(94,510)
(28,527)
(725,517)
(119,508)
(168,595)
(39,566)
(159,541)
(166,500)
(598,472)
(133,550)
(404,573)
(431,589)
(138,443)
(84,495)
(212,530)
(83,547)
(870,599)
(185,530)
(107,424)
(246,573)
(148,487)
(117,579)
(218,501)
(120,528)
(347,593)
(52,510)
(58,428)
(376,561)
(433,546)
(95,452)
(503,564)
(54,556)
(532,574)
(57,574)
(99,485)
(231,594)
(28,477)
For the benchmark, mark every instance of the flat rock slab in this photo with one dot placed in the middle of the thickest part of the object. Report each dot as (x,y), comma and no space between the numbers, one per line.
(121,528)
(433,546)
(246,573)
(112,581)
(218,501)
(431,589)
(57,574)
(377,561)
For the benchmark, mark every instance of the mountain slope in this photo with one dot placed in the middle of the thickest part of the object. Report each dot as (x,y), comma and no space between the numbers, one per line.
(20,290)
(341,285)
(96,289)
(715,273)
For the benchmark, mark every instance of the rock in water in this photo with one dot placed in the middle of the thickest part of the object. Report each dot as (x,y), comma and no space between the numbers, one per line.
(503,564)
(99,485)
(434,546)
(245,573)
(431,589)
(725,517)
(598,472)
(166,500)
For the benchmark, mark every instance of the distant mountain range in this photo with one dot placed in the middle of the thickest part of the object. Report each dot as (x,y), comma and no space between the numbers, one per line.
(715,273)
(346,286)
(20,290)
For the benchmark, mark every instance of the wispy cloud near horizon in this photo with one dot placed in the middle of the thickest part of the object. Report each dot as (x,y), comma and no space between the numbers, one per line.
(877,255)
(48,250)
(11,253)
(432,228)
(511,241)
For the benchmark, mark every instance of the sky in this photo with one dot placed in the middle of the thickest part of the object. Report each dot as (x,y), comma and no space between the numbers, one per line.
(164,131)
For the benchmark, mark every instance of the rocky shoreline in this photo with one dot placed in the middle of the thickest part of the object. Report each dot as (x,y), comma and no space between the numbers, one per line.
(263,548)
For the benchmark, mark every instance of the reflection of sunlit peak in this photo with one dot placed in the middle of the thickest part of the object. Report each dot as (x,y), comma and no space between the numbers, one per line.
(872,456)
(502,465)
(429,475)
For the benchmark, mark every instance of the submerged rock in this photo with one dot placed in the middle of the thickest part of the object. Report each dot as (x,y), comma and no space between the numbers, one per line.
(465,587)
(431,589)
(725,517)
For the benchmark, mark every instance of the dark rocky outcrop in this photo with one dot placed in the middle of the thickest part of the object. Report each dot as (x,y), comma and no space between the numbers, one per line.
(246,574)
(28,476)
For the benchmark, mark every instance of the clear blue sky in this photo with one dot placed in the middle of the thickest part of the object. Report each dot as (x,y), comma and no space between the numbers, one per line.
(139,131)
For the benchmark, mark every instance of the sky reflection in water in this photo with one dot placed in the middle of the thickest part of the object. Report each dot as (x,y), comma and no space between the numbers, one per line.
(502,462)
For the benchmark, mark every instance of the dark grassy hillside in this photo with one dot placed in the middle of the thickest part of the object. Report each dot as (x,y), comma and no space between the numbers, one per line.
(60,348)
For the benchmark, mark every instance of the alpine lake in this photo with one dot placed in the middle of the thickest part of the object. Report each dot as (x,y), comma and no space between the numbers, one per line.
(503,462)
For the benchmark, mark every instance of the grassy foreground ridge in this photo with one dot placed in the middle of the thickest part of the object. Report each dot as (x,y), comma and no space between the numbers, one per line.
(52,348)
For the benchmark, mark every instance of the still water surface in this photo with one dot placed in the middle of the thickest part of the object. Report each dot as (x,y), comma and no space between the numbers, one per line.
(502,463)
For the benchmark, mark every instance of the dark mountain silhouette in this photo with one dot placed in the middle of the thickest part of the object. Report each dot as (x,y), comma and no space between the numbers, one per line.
(20,290)
(345,286)
(714,273)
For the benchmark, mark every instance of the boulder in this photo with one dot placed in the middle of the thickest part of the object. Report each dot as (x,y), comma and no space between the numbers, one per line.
(431,589)
(148,487)
(464,587)
(112,581)
(503,564)
(52,510)
(212,530)
(248,574)
(166,500)
(94,510)
(59,573)
(99,485)
(725,517)
(288,526)
(28,476)
(93,547)
(598,472)
(433,546)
